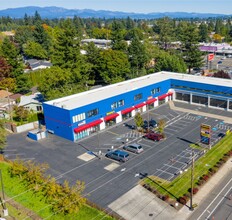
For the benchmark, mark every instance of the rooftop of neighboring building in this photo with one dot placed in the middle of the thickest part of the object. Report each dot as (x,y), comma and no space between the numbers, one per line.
(4,93)
(34,98)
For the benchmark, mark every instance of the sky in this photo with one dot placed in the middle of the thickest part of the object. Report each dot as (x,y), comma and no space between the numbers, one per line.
(142,6)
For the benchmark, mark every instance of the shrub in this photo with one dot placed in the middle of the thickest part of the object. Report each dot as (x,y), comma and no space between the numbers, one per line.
(212,170)
(195,190)
(165,198)
(183,200)
(205,177)
(187,194)
(200,182)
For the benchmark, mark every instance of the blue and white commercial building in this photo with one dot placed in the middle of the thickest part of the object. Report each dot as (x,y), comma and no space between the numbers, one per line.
(77,116)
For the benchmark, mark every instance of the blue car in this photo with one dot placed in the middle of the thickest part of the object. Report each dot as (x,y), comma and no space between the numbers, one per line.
(118,155)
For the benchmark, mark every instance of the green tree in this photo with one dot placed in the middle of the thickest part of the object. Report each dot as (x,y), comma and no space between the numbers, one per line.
(41,36)
(203,32)
(138,120)
(56,82)
(168,62)
(189,42)
(23,84)
(164,29)
(138,56)
(21,113)
(66,47)
(161,126)
(113,66)
(23,34)
(12,54)
(34,50)
(117,36)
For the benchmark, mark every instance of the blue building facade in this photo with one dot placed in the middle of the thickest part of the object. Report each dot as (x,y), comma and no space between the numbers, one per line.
(77,116)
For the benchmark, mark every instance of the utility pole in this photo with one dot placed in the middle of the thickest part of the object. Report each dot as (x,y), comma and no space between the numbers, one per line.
(192,181)
(9,104)
(5,210)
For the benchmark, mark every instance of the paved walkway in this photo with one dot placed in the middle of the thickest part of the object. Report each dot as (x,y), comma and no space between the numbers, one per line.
(206,114)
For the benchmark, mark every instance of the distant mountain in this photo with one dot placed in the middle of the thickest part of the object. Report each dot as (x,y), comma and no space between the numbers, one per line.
(56,12)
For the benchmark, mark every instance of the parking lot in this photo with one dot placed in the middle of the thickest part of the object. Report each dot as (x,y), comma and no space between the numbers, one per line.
(106,179)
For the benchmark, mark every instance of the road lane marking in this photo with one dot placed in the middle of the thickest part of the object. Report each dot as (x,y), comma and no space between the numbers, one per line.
(215,199)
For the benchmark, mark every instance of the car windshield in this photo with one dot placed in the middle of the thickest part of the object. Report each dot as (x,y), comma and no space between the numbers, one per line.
(139,147)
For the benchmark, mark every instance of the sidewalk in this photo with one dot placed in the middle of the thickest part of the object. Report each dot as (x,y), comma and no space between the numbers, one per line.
(214,181)
(185,213)
(206,114)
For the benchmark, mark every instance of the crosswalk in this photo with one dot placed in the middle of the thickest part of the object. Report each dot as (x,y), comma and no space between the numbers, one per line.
(223,127)
(132,134)
(192,117)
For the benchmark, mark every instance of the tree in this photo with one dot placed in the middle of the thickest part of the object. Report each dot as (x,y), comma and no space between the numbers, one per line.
(117,36)
(56,82)
(21,113)
(189,42)
(203,32)
(23,84)
(5,69)
(66,47)
(161,126)
(113,66)
(169,62)
(138,120)
(164,28)
(23,35)
(41,36)
(138,56)
(34,50)
(12,54)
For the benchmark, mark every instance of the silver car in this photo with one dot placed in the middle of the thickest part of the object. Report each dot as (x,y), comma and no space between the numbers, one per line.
(135,148)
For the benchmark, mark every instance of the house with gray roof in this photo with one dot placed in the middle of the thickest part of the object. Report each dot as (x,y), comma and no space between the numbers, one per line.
(32,102)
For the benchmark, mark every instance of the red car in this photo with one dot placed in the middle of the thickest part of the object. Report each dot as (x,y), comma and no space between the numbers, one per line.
(153,136)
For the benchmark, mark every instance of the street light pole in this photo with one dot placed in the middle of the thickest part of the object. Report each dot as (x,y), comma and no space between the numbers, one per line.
(192,181)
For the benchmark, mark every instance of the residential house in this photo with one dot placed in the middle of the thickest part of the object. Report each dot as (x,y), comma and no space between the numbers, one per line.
(32,102)
(34,64)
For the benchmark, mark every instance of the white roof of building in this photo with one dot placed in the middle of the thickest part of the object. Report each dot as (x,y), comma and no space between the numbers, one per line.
(91,96)
(36,98)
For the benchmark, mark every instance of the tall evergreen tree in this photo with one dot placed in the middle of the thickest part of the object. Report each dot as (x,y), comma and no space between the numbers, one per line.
(190,46)
(138,56)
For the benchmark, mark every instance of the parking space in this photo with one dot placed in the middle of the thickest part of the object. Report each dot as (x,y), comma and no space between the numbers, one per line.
(103,176)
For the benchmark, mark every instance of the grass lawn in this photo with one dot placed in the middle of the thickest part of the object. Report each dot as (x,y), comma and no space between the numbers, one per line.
(179,186)
(17,191)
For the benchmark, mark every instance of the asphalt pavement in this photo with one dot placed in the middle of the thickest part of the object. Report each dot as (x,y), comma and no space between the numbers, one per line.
(106,180)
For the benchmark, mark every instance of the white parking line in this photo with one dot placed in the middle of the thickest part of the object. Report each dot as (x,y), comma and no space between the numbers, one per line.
(171,166)
(163,171)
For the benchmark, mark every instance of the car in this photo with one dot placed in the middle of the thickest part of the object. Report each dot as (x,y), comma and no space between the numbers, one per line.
(220,62)
(153,123)
(229,56)
(118,155)
(135,148)
(153,136)
(221,135)
(223,58)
